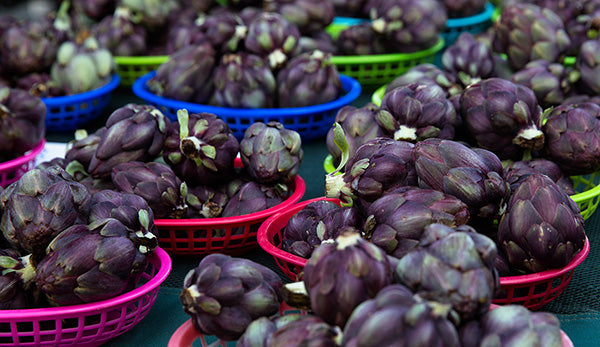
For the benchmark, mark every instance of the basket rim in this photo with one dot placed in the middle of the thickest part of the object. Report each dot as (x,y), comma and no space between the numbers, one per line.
(486,14)
(141,59)
(28,156)
(388,58)
(299,189)
(546,275)
(350,85)
(52,312)
(79,97)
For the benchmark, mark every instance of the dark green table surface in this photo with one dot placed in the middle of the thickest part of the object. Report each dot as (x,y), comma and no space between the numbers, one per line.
(578,308)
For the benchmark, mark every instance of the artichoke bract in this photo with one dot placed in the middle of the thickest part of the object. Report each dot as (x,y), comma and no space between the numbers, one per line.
(409,25)
(516,169)
(152,13)
(81,67)
(271,153)
(475,176)
(83,146)
(205,201)
(224,30)
(187,75)
(22,122)
(272,37)
(164,192)
(527,32)
(318,221)
(133,133)
(572,139)
(120,33)
(396,221)
(342,273)
(39,206)
(321,41)
(502,117)
(223,295)
(84,265)
(395,317)
(200,148)
(359,125)
(468,59)
(308,79)
(417,112)
(542,227)
(455,265)
(244,80)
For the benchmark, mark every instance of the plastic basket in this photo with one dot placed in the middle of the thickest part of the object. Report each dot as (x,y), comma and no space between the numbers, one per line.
(379,69)
(310,122)
(70,112)
(231,235)
(12,170)
(88,324)
(536,290)
(473,24)
(132,68)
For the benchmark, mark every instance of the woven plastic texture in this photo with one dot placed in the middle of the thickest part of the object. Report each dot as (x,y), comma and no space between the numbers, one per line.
(66,113)
(12,170)
(132,68)
(87,324)
(473,24)
(230,235)
(311,122)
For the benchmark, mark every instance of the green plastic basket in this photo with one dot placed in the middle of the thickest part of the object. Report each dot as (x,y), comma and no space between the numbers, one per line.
(587,186)
(132,68)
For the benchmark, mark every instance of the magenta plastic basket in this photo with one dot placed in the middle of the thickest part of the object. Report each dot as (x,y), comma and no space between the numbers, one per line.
(12,170)
(88,324)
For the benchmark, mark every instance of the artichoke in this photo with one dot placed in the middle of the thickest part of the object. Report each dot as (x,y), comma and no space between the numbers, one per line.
(244,81)
(572,140)
(502,117)
(152,13)
(427,73)
(475,176)
(342,273)
(96,9)
(321,41)
(120,34)
(359,124)
(182,34)
(306,330)
(254,197)
(270,153)
(22,122)
(187,75)
(272,37)
(395,317)
(133,133)
(468,59)
(397,220)
(260,331)
(588,65)
(156,183)
(81,67)
(308,79)
(361,39)
(516,169)
(15,282)
(464,8)
(224,30)
(223,295)
(205,201)
(39,84)
(310,16)
(39,206)
(455,265)
(551,82)
(83,146)
(542,227)
(417,112)
(84,265)
(527,32)
(200,148)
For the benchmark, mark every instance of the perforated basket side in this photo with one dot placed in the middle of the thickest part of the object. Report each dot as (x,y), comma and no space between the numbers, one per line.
(588,196)
(132,68)
(12,170)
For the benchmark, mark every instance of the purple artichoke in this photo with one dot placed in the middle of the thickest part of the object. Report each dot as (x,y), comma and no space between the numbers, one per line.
(83,147)
(588,65)
(120,34)
(15,280)
(39,84)
(361,39)
(310,16)
(306,330)
(321,41)
(516,169)
(272,37)
(254,197)
(468,59)
(206,201)
(427,73)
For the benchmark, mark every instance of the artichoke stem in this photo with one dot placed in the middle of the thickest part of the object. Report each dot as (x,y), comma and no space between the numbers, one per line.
(405,133)
(295,295)
(191,147)
(334,184)
(530,138)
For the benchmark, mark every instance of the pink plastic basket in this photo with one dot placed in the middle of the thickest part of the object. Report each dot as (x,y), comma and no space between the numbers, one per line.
(12,170)
(232,235)
(88,324)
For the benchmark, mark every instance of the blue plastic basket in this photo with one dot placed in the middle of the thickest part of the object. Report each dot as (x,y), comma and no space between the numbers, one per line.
(70,112)
(473,24)
(310,122)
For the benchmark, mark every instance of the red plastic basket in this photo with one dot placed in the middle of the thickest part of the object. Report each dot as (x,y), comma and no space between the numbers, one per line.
(88,324)
(231,235)
(12,170)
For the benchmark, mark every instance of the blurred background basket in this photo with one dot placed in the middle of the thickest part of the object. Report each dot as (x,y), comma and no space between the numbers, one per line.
(536,290)
(132,68)
(232,235)
(71,112)
(12,170)
(88,324)
(473,24)
(311,122)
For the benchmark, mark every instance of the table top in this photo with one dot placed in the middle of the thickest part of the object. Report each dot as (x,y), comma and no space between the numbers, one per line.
(578,307)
